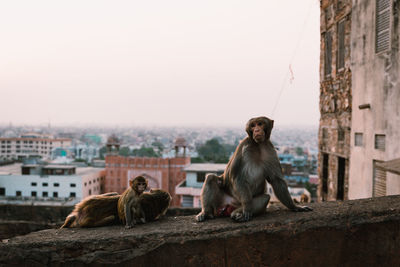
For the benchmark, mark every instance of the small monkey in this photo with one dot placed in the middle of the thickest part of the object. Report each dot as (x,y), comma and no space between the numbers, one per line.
(128,203)
(153,205)
(94,211)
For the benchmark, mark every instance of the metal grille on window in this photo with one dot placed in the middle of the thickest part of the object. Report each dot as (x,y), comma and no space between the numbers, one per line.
(341,30)
(187,201)
(328,53)
(380,142)
(382,25)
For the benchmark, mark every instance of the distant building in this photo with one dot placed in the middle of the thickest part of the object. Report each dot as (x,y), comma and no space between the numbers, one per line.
(31,145)
(55,183)
(189,190)
(164,173)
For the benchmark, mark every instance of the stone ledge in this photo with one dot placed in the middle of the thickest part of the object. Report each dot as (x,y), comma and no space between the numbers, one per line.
(351,233)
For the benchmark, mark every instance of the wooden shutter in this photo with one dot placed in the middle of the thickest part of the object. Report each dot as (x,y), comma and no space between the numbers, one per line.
(379,185)
(382,25)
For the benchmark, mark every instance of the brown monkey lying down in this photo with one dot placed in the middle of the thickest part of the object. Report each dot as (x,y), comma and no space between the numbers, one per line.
(243,182)
(101,210)
(93,211)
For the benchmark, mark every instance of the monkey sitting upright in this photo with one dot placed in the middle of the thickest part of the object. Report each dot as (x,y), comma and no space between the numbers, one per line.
(253,164)
(128,203)
(153,205)
(93,211)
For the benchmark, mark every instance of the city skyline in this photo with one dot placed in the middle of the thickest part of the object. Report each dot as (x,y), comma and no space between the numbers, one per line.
(159,64)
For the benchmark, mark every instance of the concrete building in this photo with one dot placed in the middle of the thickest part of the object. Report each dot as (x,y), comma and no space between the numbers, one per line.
(335,100)
(29,145)
(359,131)
(375,130)
(51,183)
(189,190)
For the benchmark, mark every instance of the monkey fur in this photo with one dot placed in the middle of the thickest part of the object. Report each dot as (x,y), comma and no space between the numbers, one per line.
(94,211)
(254,162)
(128,203)
(153,205)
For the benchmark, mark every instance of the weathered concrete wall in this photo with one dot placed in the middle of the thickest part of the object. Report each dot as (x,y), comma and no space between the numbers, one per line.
(351,233)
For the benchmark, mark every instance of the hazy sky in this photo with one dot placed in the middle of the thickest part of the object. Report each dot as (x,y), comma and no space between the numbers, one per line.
(164,62)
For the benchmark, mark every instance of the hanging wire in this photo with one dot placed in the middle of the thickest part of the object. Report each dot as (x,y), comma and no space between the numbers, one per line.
(289,70)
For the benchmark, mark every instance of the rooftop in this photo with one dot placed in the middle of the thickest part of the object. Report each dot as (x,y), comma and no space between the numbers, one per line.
(205,167)
(15,169)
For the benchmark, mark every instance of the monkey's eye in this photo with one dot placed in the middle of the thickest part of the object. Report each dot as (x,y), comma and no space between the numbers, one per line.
(141,183)
(259,124)
(252,125)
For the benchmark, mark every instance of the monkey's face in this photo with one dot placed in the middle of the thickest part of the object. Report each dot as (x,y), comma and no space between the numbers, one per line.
(141,186)
(259,129)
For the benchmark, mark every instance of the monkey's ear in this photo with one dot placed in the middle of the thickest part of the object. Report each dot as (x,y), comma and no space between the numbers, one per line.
(131,183)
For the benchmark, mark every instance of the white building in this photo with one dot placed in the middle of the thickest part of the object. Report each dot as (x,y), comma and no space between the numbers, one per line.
(190,189)
(49,182)
(30,145)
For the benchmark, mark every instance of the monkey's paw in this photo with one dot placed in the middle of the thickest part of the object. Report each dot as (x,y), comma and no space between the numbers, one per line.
(202,216)
(240,216)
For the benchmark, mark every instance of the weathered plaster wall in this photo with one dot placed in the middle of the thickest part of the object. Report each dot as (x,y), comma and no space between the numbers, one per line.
(375,82)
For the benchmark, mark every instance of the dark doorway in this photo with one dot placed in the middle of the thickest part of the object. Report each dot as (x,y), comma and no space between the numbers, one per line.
(340,178)
(325,168)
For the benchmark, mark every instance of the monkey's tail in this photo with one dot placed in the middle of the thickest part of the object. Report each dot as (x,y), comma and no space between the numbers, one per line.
(68,221)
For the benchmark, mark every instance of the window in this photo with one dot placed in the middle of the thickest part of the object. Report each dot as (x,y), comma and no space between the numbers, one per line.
(55,194)
(90,192)
(33,193)
(358,139)
(56,184)
(380,142)
(340,135)
(72,194)
(328,53)
(72,185)
(33,184)
(2,191)
(187,201)
(382,25)
(201,176)
(341,49)
(379,180)
(45,184)
(18,193)
(324,133)
(45,194)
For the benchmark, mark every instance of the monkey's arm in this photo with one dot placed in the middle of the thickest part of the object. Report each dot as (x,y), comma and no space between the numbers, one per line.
(128,215)
(282,193)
